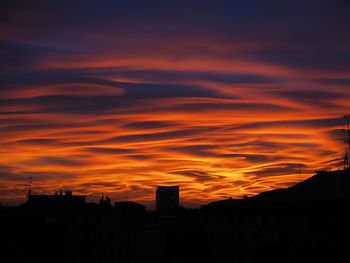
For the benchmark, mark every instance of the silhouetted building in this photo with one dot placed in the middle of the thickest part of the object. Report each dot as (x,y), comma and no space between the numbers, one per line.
(167,198)
(325,185)
(58,199)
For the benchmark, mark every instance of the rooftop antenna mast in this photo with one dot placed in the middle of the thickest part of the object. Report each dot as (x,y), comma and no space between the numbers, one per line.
(30,186)
(347,117)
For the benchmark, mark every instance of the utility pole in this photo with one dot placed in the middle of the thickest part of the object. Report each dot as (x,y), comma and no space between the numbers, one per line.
(30,186)
(347,117)
(347,153)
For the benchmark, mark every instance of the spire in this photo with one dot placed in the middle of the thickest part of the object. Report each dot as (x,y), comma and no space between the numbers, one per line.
(105,201)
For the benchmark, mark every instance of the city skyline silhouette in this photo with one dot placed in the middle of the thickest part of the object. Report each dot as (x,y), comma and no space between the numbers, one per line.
(307,222)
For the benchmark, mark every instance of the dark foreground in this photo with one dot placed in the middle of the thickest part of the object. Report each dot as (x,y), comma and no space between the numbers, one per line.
(299,224)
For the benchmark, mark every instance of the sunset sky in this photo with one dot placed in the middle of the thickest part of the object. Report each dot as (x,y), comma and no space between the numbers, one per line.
(223,98)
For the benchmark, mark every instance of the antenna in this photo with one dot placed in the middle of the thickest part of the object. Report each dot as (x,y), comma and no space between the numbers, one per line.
(30,186)
(346,161)
(347,117)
